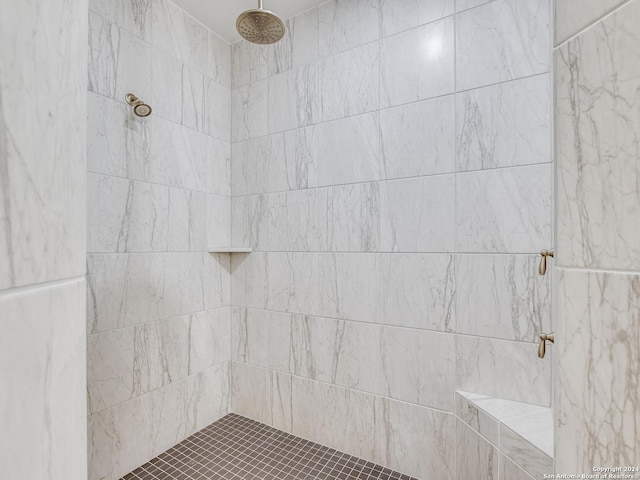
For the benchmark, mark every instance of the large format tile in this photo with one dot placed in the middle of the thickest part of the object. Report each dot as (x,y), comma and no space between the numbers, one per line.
(475,456)
(505,210)
(571,16)
(598,380)
(249,111)
(350,82)
(347,24)
(42,147)
(299,46)
(502,40)
(419,138)
(399,15)
(43,385)
(416,440)
(250,392)
(597,117)
(504,125)
(418,64)
(294,99)
(502,296)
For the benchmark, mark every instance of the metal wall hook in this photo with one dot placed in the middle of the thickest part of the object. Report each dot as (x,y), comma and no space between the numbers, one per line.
(542,269)
(544,338)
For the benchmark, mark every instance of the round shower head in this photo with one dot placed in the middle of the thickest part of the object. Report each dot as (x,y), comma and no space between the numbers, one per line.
(260,26)
(142,110)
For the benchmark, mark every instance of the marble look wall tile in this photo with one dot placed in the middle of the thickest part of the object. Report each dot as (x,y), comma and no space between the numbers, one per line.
(250,167)
(299,46)
(475,456)
(188,216)
(295,163)
(104,8)
(529,458)
(467,4)
(119,62)
(293,282)
(349,217)
(598,380)
(503,296)
(135,16)
(42,147)
(281,401)
(400,15)
(44,391)
(419,139)
(511,471)
(418,214)
(466,409)
(505,369)
(110,368)
(250,222)
(250,392)
(218,110)
(118,142)
(209,339)
(533,429)
(348,419)
(571,16)
(597,133)
(193,103)
(347,24)
(350,82)
(249,277)
(249,336)
(118,438)
(217,280)
(350,150)
(415,440)
(280,340)
(249,111)
(249,63)
(504,125)
(218,221)
(294,100)
(179,34)
(126,216)
(292,221)
(178,156)
(418,291)
(166,75)
(418,366)
(350,286)
(506,210)
(218,166)
(418,64)
(123,290)
(219,54)
(502,40)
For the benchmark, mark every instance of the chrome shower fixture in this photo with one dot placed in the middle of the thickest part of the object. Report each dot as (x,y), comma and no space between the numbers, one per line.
(140,108)
(260,26)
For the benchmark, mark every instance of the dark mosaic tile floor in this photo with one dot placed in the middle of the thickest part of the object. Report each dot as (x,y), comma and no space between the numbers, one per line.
(236,447)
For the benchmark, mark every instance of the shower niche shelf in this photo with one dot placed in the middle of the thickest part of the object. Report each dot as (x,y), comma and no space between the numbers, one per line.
(230,250)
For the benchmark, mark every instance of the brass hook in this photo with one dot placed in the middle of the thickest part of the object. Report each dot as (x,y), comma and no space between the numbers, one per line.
(542,269)
(544,338)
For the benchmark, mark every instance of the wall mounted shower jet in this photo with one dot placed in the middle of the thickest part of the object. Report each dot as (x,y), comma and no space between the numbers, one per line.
(260,26)
(140,108)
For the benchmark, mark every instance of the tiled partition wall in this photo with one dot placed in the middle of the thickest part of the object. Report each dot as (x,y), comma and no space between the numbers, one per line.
(43,107)
(158,303)
(597,64)
(391,168)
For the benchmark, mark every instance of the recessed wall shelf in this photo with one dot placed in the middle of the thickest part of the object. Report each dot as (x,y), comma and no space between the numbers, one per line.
(230,250)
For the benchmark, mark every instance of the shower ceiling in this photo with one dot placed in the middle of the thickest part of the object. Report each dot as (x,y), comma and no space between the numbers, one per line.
(220,16)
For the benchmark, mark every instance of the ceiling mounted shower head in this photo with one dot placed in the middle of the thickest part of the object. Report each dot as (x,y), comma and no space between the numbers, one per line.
(260,26)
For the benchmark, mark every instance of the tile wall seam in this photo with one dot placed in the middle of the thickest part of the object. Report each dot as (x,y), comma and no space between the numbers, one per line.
(157,320)
(119,404)
(395,179)
(591,25)
(363,392)
(596,270)
(10,293)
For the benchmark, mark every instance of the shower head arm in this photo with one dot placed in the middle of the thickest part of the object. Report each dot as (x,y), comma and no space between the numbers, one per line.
(260,5)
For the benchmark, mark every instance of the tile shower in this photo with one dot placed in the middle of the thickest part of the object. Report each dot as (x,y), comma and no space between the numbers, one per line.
(390,164)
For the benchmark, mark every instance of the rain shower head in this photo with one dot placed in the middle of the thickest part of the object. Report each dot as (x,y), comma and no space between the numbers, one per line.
(260,26)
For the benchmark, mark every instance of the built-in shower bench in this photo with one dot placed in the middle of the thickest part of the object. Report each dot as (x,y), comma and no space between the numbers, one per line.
(520,431)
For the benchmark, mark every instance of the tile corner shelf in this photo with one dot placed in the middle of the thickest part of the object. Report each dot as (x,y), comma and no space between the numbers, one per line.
(230,250)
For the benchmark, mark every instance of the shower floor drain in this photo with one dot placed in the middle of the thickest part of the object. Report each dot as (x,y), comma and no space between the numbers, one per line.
(236,447)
